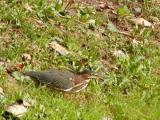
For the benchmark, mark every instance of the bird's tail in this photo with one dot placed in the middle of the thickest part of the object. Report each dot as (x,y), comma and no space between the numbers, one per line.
(32,74)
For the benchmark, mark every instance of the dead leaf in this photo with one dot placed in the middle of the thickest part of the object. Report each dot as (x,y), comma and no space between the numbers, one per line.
(19,108)
(60,49)
(16,67)
(1,63)
(141,21)
(19,65)
(28,7)
(26,56)
(119,53)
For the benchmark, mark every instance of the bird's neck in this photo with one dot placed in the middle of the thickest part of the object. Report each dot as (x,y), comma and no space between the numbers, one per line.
(81,78)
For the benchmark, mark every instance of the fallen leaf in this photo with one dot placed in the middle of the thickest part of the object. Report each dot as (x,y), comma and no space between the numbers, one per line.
(16,67)
(26,56)
(141,21)
(28,7)
(60,49)
(119,53)
(1,63)
(19,65)
(18,109)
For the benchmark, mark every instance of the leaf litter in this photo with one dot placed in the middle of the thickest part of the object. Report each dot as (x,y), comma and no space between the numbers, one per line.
(58,48)
(15,67)
(17,109)
(142,22)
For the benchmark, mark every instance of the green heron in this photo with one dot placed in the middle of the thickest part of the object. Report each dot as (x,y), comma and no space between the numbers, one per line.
(64,80)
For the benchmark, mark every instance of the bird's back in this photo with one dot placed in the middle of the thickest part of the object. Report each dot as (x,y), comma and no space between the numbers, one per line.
(61,79)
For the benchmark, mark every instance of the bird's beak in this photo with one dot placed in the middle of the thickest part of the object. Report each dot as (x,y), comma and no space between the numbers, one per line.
(96,75)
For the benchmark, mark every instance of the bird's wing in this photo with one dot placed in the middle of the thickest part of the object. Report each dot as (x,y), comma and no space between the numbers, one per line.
(60,79)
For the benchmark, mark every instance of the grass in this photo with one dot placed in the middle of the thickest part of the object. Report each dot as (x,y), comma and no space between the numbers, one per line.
(130,92)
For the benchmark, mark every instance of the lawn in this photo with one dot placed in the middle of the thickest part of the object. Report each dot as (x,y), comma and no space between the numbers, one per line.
(98,36)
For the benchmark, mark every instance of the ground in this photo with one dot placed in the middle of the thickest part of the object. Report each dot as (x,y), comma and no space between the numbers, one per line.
(99,36)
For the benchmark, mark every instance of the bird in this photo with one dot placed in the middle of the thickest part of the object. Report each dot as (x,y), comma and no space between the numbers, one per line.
(64,80)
